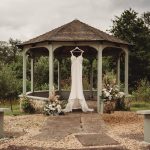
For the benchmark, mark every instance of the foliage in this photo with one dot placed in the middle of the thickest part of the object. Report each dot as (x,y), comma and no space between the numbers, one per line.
(109,78)
(86,85)
(26,105)
(146,17)
(65,84)
(10,69)
(14,50)
(142,93)
(9,51)
(134,30)
(44,86)
(8,82)
(41,72)
(15,106)
(140,105)
(4,52)
(53,107)
(109,64)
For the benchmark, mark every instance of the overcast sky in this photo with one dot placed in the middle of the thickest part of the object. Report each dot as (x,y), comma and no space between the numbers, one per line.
(25,19)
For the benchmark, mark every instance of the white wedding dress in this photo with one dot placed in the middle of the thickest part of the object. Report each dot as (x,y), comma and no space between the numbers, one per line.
(76,99)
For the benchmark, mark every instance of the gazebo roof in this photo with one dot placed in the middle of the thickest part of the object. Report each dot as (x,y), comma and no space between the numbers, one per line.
(74,31)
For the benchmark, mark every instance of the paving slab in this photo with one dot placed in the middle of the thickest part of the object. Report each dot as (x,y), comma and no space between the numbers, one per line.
(116,147)
(59,127)
(100,139)
(89,130)
(92,123)
(15,147)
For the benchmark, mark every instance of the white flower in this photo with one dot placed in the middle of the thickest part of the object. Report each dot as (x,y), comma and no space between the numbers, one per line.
(110,90)
(110,93)
(106,93)
(58,108)
(110,97)
(121,94)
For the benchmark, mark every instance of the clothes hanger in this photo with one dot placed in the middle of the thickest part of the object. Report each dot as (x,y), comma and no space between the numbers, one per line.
(77,49)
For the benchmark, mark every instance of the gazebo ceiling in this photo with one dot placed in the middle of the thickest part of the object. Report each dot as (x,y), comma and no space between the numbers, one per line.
(64,51)
(73,32)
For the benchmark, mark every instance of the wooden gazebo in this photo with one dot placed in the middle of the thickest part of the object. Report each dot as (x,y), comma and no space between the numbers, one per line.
(58,43)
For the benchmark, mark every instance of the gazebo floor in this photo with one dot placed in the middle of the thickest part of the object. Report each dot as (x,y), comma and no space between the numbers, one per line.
(63,95)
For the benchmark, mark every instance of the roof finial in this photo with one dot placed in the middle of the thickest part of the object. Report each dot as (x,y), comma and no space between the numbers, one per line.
(76,19)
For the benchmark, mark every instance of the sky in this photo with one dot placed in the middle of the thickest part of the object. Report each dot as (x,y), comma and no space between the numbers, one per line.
(25,19)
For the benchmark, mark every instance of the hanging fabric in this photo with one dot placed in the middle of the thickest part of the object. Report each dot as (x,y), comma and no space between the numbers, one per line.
(76,99)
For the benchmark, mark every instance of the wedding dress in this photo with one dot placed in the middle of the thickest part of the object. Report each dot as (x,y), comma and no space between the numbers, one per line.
(76,99)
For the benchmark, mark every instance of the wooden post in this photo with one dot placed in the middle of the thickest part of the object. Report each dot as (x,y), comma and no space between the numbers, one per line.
(50,69)
(32,75)
(24,73)
(99,82)
(118,72)
(91,78)
(59,76)
(126,71)
(1,124)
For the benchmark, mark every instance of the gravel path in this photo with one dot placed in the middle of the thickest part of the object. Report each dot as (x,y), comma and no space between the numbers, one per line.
(124,127)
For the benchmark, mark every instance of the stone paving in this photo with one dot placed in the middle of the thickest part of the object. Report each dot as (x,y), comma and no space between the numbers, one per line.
(89,129)
(100,139)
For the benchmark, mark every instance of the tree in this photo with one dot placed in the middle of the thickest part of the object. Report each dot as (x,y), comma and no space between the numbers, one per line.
(146,17)
(131,28)
(9,84)
(41,72)
(9,50)
(4,51)
(14,50)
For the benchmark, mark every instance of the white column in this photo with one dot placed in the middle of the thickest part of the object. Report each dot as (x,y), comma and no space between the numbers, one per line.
(24,73)
(50,69)
(58,74)
(126,71)
(32,75)
(91,78)
(99,82)
(118,71)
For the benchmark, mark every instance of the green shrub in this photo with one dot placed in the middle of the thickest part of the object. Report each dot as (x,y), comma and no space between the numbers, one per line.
(41,71)
(86,84)
(143,91)
(43,87)
(8,83)
(26,105)
(122,105)
(109,78)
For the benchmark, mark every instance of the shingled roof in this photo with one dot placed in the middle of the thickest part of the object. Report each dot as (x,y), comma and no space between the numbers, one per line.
(75,31)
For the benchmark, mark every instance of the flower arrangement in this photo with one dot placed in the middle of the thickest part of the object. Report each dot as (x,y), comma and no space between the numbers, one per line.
(113,98)
(53,106)
(112,93)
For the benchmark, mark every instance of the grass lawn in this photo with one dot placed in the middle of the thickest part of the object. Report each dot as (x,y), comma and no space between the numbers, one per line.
(15,107)
(140,105)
